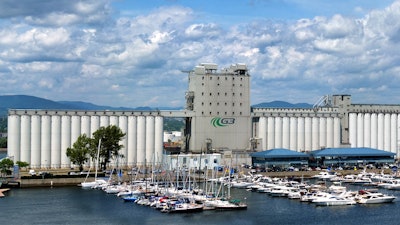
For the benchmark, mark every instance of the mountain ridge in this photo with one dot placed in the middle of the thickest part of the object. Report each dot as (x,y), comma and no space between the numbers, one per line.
(32,102)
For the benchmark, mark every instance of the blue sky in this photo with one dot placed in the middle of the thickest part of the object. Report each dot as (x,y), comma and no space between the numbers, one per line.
(131,53)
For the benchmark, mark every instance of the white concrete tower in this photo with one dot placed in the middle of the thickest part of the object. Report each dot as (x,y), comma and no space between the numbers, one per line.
(301,134)
(293,133)
(55,141)
(132,140)
(158,142)
(25,152)
(141,140)
(35,141)
(278,132)
(262,132)
(285,132)
(65,140)
(374,130)
(270,133)
(150,126)
(45,136)
(13,139)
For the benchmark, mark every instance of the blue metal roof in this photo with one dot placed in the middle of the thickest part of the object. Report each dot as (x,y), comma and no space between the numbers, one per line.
(279,153)
(351,152)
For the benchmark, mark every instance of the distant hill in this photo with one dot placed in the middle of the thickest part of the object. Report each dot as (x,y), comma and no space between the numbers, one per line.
(27,102)
(282,104)
(31,102)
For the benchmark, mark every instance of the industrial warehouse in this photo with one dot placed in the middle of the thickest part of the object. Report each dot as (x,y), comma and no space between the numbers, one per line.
(219,119)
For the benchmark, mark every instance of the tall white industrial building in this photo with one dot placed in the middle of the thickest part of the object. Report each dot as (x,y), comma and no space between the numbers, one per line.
(218,117)
(220,102)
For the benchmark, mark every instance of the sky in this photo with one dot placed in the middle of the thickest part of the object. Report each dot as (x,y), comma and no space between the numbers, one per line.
(131,53)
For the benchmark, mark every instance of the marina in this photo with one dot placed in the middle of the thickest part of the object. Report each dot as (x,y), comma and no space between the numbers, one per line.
(75,205)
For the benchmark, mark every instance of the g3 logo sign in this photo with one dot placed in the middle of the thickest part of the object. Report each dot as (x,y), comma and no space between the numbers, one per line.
(222,122)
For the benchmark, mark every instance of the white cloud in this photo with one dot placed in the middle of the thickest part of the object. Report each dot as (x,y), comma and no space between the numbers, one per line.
(134,61)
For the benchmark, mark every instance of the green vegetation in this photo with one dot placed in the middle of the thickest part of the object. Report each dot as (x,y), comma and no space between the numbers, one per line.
(86,147)
(5,166)
(173,124)
(3,142)
(110,138)
(3,124)
(22,164)
(80,151)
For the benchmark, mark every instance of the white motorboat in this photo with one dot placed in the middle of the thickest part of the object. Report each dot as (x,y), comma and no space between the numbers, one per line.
(280,191)
(393,184)
(225,204)
(92,184)
(333,200)
(324,175)
(367,197)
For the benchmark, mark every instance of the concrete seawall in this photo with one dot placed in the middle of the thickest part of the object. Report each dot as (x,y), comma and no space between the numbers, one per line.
(52,182)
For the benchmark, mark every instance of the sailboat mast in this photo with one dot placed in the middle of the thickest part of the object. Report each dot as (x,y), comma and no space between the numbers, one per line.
(97,159)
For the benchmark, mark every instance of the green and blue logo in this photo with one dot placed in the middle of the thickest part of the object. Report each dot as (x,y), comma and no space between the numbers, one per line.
(222,122)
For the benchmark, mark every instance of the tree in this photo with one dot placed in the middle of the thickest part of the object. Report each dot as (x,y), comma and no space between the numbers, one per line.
(6,165)
(3,142)
(80,152)
(110,138)
(22,164)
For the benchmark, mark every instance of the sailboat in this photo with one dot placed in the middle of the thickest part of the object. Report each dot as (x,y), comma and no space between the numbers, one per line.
(96,182)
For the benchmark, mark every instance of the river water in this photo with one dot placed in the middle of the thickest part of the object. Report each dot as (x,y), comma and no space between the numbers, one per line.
(73,205)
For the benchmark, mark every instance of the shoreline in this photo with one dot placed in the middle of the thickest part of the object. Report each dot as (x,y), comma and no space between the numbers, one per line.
(59,180)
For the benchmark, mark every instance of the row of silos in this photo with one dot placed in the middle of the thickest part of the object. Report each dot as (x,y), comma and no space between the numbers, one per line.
(41,139)
(299,133)
(374,130)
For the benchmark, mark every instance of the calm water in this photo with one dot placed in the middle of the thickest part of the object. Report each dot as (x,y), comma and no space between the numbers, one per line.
(73,205)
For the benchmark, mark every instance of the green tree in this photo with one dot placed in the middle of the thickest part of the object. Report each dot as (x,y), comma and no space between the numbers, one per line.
(79,154)
(6,165)
(3,142)
(110,138)
(22,164)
